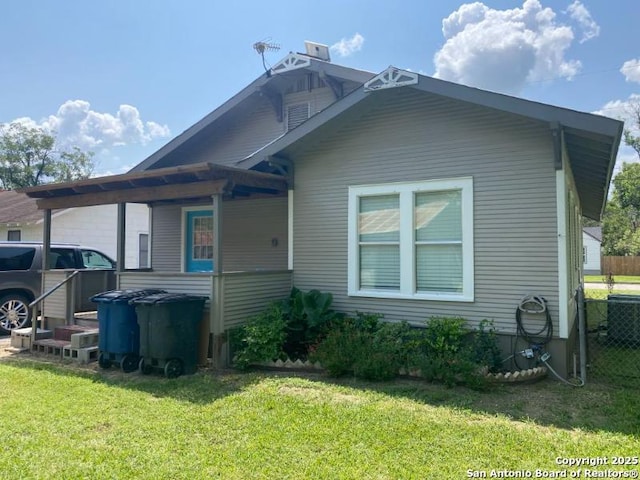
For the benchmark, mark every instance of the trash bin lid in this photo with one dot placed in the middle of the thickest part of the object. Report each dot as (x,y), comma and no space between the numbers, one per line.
(165,297)
(122,296)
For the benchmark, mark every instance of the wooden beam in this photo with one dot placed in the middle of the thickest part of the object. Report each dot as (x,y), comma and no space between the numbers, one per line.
(335,85)
(140,194)
(276,101)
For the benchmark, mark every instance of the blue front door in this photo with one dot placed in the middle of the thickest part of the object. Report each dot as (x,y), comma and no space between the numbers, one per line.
(199,241)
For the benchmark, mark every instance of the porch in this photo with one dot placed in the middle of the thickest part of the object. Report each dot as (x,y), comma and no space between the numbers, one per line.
(238,258)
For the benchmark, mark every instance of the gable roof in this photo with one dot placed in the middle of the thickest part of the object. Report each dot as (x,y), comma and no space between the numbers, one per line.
(594,232)
(17,209)
(271,78)
(591,141)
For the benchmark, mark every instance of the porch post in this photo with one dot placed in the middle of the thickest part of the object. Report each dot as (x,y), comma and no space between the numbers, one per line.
(121,233)
(219,347)
(46,253)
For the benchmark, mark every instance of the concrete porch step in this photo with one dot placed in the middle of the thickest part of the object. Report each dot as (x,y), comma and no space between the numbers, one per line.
(50,346)
(64,332)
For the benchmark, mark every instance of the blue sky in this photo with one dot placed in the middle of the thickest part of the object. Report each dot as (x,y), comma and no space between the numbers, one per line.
(121,78)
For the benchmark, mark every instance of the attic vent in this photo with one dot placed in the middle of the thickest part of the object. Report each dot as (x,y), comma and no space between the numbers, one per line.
(296,114)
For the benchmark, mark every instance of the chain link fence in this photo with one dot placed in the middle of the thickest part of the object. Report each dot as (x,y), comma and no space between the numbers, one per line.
(613,336)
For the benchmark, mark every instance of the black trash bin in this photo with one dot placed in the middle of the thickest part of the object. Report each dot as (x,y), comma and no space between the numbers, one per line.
(119,334)
(169,332)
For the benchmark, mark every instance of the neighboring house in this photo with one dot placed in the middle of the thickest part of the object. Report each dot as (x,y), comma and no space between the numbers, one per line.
(398,193)
(20,220)
(591,244)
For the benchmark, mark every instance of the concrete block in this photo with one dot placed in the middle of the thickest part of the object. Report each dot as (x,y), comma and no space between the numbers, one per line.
(64,332)
(84,339)
(49,346)
(21,337)
(82,355)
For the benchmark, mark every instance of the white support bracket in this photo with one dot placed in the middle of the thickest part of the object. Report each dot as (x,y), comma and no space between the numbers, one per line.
(392,77)
(293,61)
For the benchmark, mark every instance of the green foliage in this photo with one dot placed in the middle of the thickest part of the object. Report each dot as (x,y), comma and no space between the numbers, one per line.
(340,349)
(621,220)
(286,328)
(447,352)
(28,157)
(308,315)
(261,339)
(629,138)
(486,351)
(444,351)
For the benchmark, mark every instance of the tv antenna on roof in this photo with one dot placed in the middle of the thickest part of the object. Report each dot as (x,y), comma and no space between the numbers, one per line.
(265,46)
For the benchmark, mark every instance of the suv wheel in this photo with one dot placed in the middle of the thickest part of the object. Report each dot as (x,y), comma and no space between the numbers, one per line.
(14,313)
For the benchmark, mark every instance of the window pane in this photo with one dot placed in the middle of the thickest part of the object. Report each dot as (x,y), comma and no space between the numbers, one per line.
(439,268)
(379,219)
(16,258)
(202,239)
(438,216)
(380,267)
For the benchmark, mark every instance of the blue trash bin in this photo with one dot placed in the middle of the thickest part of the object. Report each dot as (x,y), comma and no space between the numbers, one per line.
(119,334)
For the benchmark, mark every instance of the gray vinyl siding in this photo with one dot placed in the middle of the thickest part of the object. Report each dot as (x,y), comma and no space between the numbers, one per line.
(412,136)
(237,138)
(250,228)
(166,238)
(247,294)
(55,305)
(192,283)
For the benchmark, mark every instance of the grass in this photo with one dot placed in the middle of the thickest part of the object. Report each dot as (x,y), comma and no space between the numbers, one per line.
(71,423)
(603,293)
(616,279)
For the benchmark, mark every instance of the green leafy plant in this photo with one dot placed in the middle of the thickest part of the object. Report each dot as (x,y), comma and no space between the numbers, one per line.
(444,354)
(485,347)
(261,339)
(308,316)
(363,346)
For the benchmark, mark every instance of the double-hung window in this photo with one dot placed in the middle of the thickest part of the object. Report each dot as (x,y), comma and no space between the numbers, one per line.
(412,240)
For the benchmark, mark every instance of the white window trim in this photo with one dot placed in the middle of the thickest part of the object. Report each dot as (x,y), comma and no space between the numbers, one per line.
(407,238)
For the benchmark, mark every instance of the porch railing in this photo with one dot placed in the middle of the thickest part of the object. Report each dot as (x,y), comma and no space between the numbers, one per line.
(34,305)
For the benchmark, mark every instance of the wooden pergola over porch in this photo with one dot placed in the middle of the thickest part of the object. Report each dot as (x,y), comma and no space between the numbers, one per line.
(203,183)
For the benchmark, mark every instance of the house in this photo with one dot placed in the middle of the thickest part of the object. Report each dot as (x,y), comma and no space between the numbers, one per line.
(591,243)
(398,193)
(20,220)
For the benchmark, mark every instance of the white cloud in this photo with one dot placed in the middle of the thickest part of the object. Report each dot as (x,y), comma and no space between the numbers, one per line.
(623,110)
(504,49)
(578,12)
(76,124)
(348,46)
(631,70)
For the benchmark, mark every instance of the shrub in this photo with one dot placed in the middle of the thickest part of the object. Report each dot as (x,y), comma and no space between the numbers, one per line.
(338,351)
(485,347)
(443,353)
(363,346)
(261,339)
(308,315)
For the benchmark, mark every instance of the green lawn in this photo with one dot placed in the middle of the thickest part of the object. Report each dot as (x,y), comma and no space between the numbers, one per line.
(616,279)
(62,422)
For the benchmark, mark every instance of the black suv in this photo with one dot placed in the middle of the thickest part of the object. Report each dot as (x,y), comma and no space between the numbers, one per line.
(21,275)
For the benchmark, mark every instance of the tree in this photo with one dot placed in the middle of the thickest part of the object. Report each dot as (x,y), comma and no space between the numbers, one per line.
(632,140)
(28,157)
(621,221)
